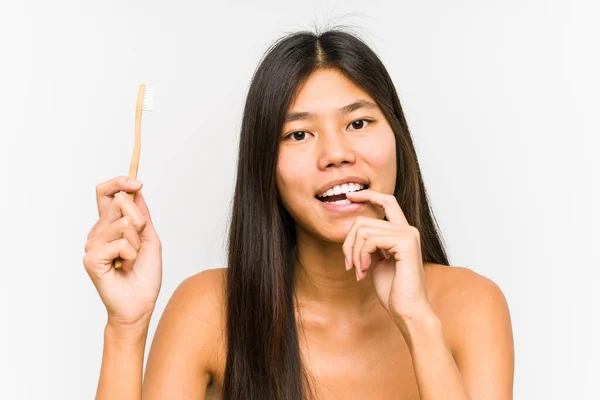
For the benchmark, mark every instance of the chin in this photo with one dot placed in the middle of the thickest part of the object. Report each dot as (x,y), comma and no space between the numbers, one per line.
(338,232)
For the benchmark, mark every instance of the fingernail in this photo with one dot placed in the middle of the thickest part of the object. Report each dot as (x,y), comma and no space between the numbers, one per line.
(347,264)
(135,182)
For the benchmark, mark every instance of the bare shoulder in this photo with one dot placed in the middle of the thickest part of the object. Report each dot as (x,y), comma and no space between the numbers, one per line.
(188,339)
(477,325)
(200,298)
(201,295)
(459,292)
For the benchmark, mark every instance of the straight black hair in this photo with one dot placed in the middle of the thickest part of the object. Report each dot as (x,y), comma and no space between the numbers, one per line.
(263,356)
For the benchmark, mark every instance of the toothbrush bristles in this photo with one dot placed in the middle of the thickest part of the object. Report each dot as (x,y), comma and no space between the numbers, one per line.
(148,103)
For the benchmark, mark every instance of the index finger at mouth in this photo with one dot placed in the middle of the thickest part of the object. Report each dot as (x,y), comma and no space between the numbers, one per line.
(388,202)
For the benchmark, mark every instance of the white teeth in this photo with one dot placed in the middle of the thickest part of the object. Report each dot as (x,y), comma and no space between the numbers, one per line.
(345,201)
(344,188)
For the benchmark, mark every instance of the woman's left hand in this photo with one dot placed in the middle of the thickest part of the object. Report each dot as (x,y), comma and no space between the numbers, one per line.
(392,251)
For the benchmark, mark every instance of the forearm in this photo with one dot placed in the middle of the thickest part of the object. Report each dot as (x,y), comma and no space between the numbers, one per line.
(437,374)
(122,363)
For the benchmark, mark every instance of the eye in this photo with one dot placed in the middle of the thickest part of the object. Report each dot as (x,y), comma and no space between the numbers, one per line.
(360,123)
(298,136)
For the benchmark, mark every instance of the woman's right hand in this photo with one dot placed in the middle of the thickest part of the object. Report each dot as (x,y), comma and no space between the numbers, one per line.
(124,230)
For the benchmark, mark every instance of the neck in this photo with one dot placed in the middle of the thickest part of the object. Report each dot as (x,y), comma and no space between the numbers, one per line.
(322,280)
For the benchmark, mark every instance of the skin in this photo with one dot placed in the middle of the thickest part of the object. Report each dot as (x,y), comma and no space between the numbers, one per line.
(352,347)
(332,147)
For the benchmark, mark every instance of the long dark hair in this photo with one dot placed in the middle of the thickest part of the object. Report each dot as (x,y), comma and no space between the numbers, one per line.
(263,355)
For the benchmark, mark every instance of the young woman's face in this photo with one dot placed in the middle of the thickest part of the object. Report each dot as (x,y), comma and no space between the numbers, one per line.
(330,144)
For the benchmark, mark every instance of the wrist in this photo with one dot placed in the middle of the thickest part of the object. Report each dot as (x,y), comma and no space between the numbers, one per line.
(420,325)
(127,332)
(130,323)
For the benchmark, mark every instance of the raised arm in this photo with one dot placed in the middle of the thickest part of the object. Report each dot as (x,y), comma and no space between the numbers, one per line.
(122,362)
(129,289)
(185,344)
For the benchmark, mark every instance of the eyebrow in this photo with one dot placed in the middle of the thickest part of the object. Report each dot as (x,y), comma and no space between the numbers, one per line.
(342,111)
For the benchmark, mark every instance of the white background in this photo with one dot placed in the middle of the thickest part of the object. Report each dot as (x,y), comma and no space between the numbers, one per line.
(502,99)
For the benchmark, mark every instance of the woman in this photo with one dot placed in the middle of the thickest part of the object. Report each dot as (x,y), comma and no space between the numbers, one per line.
(337,285)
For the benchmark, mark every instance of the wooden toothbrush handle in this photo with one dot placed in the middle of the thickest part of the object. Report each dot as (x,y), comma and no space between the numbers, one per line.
(135,157)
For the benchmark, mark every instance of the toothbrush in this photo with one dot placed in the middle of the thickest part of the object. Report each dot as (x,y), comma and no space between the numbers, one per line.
(145,102)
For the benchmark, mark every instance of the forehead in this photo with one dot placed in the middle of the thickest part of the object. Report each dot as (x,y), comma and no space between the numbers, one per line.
(326,90)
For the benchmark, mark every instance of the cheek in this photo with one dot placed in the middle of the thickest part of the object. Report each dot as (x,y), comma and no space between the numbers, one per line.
(290,178)
(381,156)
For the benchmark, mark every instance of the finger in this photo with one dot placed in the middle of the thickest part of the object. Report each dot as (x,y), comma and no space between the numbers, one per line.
(111,214)
(120,206)
(105,191)
(388,202)
(123,228)
(371,251)
(124,250)
(100,256)
(348,245)
(363,233)
(351,236)
(126,207)
(384,254)
(356,256)
(140,202)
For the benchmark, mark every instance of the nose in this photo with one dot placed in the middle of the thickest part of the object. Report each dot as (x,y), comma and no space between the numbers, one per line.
(334,150)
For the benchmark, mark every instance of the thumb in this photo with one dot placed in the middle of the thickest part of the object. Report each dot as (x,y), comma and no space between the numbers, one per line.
(379,255)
